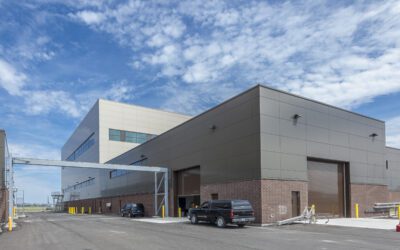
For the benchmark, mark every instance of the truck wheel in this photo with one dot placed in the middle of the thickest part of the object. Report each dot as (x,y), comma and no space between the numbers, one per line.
(241,225)
(221,222)
(193,219)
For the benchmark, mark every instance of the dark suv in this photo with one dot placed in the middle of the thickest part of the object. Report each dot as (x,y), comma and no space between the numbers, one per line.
(222,212)
(132,210)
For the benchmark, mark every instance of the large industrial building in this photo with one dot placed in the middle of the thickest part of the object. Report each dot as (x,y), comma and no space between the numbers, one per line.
(280,151)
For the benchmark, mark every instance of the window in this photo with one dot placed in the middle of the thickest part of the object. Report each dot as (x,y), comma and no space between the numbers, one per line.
(80,185)
(221,205)
(117,172)
(88,143)
(128,136)
(214,196)
(114,135)
(141,138)
(204,205)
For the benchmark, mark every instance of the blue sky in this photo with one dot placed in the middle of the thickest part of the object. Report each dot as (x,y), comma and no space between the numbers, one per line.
(58,56)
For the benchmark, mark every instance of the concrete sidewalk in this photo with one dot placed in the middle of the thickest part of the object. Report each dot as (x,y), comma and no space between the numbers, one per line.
(372,223)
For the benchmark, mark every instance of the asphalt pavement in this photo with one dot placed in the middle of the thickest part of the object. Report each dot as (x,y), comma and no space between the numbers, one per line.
(89,232)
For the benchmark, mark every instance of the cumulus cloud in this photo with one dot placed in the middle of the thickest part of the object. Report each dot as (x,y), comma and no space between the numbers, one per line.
(42,102)
(10,79)
(344,55)
(45,101)
(89,17)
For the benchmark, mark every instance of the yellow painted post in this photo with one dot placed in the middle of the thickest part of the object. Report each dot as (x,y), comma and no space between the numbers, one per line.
(14,211)
(90,210)
(313,218)
(163,211)
(10,223)
(179,212)
(398,211)
(82,210)
(356,210)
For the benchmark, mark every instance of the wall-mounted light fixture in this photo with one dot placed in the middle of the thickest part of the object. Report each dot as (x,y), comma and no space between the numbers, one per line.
(142,156)
(373,135)
(213,127)
(296,116)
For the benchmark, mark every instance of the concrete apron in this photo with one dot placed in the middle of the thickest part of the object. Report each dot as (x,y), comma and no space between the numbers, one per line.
(370,223)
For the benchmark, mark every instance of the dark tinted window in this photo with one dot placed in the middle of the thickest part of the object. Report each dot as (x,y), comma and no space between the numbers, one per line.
(241,205)
(204,205)
(140,206)
(221,205)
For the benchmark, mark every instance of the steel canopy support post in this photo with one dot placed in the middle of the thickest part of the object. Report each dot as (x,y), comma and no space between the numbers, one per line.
(155,194)
(166,202)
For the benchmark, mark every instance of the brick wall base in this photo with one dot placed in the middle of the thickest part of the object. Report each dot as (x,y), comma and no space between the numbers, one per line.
(394,196)
(271,199)
(276,198)
(246,190)
(366,195)
(98,205)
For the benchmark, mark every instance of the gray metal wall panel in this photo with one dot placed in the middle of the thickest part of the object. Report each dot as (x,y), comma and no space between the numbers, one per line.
(323,132)
(393,173)
(70,176)
(231,152)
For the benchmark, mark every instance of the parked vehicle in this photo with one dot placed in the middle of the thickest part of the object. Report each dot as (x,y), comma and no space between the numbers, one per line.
(222,212)
(132,210)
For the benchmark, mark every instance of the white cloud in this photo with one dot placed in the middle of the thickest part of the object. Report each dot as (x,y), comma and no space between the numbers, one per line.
(343,55)
(43,102)
(393,132)
(34,151)
(10,79)
(89,17)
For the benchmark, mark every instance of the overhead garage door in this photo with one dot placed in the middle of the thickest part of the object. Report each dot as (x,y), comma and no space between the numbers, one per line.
(326,187)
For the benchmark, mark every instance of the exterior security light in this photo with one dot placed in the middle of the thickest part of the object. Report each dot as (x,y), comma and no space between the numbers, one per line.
(296,116)
(213,127)
(142,156)
(373,135)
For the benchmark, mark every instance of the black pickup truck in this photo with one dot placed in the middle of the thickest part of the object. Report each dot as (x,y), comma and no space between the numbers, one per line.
(222,212)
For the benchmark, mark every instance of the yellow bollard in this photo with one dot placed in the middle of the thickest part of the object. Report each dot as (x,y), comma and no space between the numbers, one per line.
(90,210)
(14,211)
(10,223)
(179,212)
(163,211)
(356,207)
(313,218)
(82,210)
